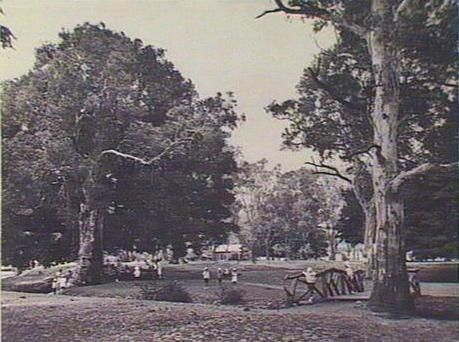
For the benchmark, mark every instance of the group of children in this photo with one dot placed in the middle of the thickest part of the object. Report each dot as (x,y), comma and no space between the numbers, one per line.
(157,266)
(61,281)
(221,274)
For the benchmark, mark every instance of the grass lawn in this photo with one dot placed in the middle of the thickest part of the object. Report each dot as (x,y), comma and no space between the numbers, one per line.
(260,284)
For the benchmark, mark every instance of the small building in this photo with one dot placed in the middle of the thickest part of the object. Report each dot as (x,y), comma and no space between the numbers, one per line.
(346,251)
(231,252)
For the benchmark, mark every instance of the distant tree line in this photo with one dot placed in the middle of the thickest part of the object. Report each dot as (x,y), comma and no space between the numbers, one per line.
(284,214)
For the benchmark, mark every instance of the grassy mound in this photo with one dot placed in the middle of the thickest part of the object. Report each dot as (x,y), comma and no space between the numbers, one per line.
(230,296)
(36,280)
(170,291)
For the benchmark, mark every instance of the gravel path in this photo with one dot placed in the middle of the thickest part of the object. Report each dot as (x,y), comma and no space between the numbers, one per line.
(37,318)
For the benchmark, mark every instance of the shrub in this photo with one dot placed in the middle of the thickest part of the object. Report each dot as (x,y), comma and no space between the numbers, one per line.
(167,292)
(231,296)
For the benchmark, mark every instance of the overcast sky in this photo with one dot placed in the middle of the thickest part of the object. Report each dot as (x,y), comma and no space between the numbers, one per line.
(218,44)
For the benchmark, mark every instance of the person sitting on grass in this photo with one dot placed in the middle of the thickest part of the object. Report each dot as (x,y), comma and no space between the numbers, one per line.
(206,276)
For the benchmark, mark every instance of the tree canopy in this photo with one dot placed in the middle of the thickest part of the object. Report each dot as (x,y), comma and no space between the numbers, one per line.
(104,129)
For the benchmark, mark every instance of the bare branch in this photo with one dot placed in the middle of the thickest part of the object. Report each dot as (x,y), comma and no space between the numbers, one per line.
(367,150)
(451,85)
(333,171)
(142,161)
(312,11)
(303,9)
(404,176)
(403,159)
(331,174)
(405,7)
(268,12)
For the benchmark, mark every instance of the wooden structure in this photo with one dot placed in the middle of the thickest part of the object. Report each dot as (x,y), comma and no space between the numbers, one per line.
(331,282)
(334,282)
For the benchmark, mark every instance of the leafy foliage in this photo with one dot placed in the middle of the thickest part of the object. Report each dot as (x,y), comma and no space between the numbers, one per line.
(6,35)
(351,222)
(106,121)
(431,215)
(282,213)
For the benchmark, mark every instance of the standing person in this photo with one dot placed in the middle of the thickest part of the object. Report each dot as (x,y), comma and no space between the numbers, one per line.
(137,272)
(55,283)
(61,282)
(310,276)
(349,276)
(159,269)
(348,269)
(234,275)
(206,276)
(310,279)
(219,275)
(118,269)
(68,278)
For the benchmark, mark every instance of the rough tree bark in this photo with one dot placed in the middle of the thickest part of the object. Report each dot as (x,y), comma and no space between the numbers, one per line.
(369,212)
(390,281)
(370,238)
(332,242)
(90,226)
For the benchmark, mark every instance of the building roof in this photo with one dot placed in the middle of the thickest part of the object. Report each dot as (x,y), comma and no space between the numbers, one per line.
(232,248)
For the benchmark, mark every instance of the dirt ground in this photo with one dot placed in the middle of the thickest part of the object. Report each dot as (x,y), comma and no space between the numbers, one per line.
(39,317)
(114,312)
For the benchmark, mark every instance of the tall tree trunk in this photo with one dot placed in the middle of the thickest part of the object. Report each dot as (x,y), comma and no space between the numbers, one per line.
(370,238)
(252,246)
(390,283)
(367,205)
(332,244)
(90,253)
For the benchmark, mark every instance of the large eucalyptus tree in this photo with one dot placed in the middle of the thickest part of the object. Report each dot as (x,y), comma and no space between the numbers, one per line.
(407,46)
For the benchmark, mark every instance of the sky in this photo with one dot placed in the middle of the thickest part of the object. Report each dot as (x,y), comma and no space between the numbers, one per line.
(218,44)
